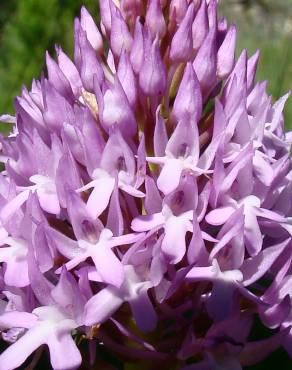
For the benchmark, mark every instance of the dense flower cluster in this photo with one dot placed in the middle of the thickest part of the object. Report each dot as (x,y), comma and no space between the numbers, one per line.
(145,204)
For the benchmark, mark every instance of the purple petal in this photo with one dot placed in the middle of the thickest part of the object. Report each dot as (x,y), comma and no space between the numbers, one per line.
(205,63)
(108,265)
(182,42)
(39,284)
(127,79)
(254,268)
(197,252)
(102,306)
(90,66)
(92,32)
(143,312)
(59,343)
(219,215)
(153,79)
(274,316)
(169,177)
(160,135)
(16,272)
(115,221)
(58,79)
(84,226)
(201,274)
(252,232)
(153,201)
(220,303)
(11,207)
(188,102)
(137,50)
(120,37)
(117,110)
(251,69)
(100,196)
(15,319)
(174,244)
(66,246)
(231,229)
(145,223)
(154,19)
(67,294)
(15,355)
(226,53)
(70,71)
(256,351)
(200,26)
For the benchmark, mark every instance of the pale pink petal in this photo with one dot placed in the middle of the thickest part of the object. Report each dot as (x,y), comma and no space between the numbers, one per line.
(156,160)
(174,244)
(145,223)
(126,239)
(5,253)
(14,319)
(263,170)
(201,274)
(270,215)
(219,215)
(64,353)
(16,273)
(252,233)
(88,186)
(100,196)
(169,176)
(66,246)
(108,265)
(11,207)
(131,190)
(18,352)
(102,306)
(76,261)
(231,229)
(49,202)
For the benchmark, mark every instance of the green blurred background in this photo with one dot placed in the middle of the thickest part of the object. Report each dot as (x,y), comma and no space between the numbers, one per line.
(29,27)
(266,25)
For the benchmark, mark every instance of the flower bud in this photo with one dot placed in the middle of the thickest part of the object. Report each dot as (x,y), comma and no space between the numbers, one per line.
(152,78)
(182,43)
(92,32)
(155,22)
(188,102)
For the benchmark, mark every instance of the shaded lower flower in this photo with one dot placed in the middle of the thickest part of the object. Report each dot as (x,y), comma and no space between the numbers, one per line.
(134,290)
(48,324)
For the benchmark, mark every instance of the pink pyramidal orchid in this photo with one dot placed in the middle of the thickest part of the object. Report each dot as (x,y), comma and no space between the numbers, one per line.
(145,203)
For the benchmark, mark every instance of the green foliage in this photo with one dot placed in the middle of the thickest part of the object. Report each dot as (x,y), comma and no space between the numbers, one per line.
(30,28)
(266,25)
